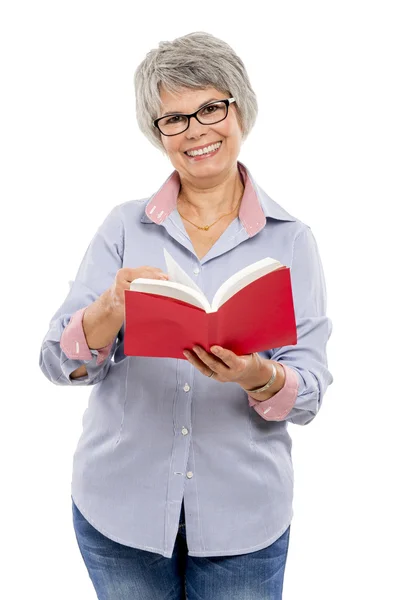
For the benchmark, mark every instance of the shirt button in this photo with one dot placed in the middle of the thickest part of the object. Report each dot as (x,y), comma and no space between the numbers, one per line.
(196,270)
(186,387)
(189,474)
(184,431)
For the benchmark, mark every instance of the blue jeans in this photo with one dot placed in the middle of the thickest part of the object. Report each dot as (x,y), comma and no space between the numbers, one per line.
(120,572)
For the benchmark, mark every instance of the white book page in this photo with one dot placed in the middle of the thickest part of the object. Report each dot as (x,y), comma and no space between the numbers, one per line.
(242,278)
(177,274)
(172,290)
(192,294)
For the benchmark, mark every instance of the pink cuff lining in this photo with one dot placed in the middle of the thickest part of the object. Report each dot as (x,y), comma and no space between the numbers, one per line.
(73,342)
(280,404)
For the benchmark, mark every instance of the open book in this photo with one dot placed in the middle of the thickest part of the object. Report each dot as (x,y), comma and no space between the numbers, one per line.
(251,311)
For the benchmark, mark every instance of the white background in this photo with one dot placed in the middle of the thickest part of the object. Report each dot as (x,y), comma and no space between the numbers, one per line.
(325,147)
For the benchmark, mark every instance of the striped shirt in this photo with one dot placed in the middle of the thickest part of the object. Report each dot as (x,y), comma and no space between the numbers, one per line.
(157,431)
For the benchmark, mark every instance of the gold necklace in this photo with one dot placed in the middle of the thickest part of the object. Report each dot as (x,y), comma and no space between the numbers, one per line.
(207,227)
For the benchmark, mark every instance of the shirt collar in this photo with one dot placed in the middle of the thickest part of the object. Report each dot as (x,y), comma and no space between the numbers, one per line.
(255,208)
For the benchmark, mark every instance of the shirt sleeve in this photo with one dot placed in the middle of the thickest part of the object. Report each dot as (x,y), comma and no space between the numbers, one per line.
(307,359)
(280,404)
(64,347)
(73,341)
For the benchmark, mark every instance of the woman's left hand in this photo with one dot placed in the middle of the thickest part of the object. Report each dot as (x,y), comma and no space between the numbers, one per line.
(226,365)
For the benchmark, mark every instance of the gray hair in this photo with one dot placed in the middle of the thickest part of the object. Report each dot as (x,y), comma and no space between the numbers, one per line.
(196,61)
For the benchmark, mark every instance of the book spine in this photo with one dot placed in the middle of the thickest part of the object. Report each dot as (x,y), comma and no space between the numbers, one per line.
(213,327)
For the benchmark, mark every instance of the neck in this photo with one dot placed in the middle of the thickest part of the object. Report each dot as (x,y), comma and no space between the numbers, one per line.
(206,204)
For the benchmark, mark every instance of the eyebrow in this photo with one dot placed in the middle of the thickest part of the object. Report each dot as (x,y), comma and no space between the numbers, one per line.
(201,106)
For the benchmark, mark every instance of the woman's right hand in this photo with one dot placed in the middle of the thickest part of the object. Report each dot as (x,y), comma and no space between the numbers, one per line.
(122,281)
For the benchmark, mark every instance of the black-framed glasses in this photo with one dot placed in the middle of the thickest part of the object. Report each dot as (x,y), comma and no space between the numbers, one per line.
(211,113)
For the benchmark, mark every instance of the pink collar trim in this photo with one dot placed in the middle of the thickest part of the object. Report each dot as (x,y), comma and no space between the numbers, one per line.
(251,213)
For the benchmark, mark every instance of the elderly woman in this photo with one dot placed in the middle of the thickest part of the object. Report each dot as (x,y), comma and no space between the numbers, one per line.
(182,478)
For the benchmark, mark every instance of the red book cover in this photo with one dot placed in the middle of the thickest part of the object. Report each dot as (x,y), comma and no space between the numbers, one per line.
(258,317)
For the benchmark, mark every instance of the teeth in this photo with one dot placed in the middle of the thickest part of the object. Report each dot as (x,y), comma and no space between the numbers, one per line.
(205,150)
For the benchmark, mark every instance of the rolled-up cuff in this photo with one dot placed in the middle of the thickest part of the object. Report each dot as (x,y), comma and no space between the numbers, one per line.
(280,404)
(74,345)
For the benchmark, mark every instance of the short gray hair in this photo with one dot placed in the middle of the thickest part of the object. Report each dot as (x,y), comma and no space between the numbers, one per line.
(196,61)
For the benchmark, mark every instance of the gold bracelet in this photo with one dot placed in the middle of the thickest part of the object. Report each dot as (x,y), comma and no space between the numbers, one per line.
(267,385)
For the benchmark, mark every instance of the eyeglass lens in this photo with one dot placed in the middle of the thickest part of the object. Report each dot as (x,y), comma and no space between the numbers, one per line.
(212,113)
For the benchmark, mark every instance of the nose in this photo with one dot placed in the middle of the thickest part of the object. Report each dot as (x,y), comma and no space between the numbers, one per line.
(196,129)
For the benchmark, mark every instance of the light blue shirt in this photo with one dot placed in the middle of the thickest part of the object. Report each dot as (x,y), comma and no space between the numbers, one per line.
(156,430)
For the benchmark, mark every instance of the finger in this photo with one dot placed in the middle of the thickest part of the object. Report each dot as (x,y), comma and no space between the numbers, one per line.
(127,275)
(152,274)
(211,361)
(232,360)
(197,363)
(157,274)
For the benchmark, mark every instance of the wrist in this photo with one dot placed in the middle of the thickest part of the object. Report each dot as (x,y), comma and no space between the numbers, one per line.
(260,373)
(263,376)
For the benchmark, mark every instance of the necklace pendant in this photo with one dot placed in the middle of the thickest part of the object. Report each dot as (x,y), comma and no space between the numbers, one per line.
(206,227)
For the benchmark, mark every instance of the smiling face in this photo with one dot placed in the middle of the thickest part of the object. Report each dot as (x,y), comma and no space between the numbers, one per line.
(228,132)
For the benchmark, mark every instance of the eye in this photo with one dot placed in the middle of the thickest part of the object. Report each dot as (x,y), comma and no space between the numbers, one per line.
(208,110)
(173,119)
